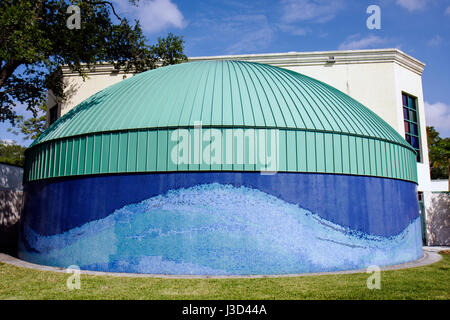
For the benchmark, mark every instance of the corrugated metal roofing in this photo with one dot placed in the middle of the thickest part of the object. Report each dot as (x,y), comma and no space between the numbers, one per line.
(220,93)
(316,122)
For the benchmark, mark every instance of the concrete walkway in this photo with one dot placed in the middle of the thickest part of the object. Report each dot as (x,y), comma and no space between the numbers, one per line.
(430,256)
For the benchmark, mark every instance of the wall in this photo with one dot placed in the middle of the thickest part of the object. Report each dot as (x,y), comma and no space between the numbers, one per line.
(438,213)
(11,199)
(438,219)
(440,185)
(369,83)
(78,89)
(220,223)
(411,83)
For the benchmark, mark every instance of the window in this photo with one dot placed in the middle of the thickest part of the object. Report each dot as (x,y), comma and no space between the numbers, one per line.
(422,217)
(411,123)
(53,114)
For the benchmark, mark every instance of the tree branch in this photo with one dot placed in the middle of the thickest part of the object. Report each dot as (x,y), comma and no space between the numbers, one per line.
(106,2)
(8,69)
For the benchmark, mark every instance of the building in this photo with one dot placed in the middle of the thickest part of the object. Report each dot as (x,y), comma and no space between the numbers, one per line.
(387,81)
(220,168)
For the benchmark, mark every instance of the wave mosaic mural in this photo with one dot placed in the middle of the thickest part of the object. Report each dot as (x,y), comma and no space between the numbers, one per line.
(221,229)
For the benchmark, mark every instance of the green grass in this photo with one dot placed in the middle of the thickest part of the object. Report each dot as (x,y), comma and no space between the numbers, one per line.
(429,282)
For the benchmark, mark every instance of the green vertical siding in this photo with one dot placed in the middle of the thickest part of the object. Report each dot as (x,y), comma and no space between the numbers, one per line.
(298,151)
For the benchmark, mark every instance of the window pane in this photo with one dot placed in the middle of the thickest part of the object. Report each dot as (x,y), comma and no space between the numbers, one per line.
(413,128)
(418,155)
(53,114)
(415,142)
(411,103)
(412,116)
(405,99)
(406,114)
(408,138)
(406,127)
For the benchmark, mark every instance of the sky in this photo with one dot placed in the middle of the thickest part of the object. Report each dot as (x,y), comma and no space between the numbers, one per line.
(420,28)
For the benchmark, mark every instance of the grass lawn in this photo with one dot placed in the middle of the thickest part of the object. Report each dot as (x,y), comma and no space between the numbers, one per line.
(429,282)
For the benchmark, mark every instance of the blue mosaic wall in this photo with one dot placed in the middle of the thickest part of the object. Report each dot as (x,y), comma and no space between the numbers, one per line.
(220,223)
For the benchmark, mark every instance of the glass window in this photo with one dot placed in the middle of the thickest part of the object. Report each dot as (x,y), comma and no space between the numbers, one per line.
(413,127)
(422,217)
(53,114)
(406,127)
(406,113)
(412,116)
(415,142)
(408,138)
(411,123)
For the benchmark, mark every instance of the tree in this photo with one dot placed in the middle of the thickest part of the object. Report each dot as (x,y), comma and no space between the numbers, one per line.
(35,41)
(439,154)
(32,127)
(12,153)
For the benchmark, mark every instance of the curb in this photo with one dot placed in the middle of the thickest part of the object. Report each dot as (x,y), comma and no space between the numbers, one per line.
(429,257)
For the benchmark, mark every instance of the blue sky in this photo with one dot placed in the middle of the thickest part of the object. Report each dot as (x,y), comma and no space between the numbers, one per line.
(420,28)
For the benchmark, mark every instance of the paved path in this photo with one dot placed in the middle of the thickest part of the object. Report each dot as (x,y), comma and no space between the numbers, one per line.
(430,256)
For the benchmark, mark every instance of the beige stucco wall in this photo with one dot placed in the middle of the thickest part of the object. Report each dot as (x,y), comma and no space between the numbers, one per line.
(440,185)
(411,83)
(369,83)
(77,89)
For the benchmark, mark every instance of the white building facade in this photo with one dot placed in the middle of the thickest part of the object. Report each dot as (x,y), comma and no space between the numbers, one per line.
(387,81)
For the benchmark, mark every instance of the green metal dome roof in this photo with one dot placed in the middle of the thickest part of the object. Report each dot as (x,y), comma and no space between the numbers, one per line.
(223,95)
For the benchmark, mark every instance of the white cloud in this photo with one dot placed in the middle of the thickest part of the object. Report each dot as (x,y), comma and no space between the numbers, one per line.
(412,5)
(237,34)
(153,15)
(8,142)
(293,29)
(435,41)
(356,42)
(310,10)
(252,32)
(447,11)
(438,115)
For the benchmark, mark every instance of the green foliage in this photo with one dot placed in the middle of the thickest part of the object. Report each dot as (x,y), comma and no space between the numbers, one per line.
(32,127)
(439,154)
(12,154)
(35,41)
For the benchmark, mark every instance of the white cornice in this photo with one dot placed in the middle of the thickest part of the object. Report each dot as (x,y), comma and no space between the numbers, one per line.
(101,68)
(291,59)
